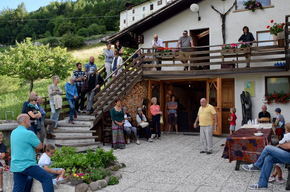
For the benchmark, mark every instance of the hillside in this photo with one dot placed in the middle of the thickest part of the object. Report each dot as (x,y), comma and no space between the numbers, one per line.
(83,17)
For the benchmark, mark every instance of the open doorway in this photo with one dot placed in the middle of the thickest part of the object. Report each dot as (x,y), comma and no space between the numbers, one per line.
(188,95)
(200,37)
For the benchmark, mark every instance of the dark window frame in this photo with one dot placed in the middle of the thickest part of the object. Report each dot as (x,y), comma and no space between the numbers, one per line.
(151,7)
(266,78)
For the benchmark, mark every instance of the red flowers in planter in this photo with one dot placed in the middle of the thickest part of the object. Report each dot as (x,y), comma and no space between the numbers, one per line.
(277,98)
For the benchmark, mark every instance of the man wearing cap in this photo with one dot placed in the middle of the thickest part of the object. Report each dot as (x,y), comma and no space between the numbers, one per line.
(94,81)
(279,123)
(264,113)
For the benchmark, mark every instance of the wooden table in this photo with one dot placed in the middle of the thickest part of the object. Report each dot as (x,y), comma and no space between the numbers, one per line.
(244,146)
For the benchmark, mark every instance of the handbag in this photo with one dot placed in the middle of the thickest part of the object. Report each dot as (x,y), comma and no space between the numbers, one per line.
(161,120)
(85,86)
(144,124)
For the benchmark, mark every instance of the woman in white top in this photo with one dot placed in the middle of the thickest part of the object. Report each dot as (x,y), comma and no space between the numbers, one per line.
(117,62)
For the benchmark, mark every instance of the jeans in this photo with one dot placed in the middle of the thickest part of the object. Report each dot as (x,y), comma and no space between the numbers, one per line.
(156,119)
(90,100)
(147,131)
(80,104)
(35,172)
(54,113)
(108,70)
(267,159)
(128,131)
(41,134)
(28,184)
(72,110)
(33,128)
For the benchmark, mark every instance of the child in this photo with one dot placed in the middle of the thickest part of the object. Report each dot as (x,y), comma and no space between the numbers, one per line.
(280,121)
(2,155)
(44,162)
(232,120)
(278,166)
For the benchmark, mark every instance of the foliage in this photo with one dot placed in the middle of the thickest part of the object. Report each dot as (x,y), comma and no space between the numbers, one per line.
(113,180)
(47,34)
(71,40)
(67,158)
(76,176)
(83,32)
(165,49)
(31,62)
(99,173)
(58,14)
(253,5)
(276,28)
(277,97)
(236,45)
(7,157)
(145,101)
(52,41)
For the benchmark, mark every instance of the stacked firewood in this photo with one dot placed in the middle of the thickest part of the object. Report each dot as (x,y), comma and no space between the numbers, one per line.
(135,98)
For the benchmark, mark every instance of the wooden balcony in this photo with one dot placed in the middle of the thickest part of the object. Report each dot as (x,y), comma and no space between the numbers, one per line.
(209,60)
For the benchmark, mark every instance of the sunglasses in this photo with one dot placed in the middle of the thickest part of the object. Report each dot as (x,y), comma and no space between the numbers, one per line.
(184,33)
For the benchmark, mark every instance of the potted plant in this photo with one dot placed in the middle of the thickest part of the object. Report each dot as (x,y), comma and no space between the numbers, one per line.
(253,5)
(164,52)
(76,178)
(278,30)
(229,49)
(277,98)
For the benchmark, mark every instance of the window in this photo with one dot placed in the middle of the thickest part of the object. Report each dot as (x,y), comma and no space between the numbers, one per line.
(170,43)
(133,18)
(143,8)
(264,36)
(124,21)
(143,15)
(159,2)
(151,7)
(277,84)
(240,3)
(133,11)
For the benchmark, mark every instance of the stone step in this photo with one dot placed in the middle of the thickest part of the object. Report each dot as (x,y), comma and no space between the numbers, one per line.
(71,125)
(82,118)
(72,141)
(80,129)
(73,131)
(76,137)
(73,134)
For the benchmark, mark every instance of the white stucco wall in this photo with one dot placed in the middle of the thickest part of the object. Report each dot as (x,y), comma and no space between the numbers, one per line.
(139,13)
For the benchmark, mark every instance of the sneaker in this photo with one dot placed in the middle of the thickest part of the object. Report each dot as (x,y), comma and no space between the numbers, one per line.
(272,179)
(80,111)
(71,122)
(49,136)
(150,140)
(128,141)
(138,142)
(250,167)
(54,184)
(208,152)
(256,187)
(280,181)
(202,151)
(75,116)
(152,136)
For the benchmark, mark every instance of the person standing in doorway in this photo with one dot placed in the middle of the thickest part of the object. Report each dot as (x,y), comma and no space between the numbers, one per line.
(80,77)
(89,65)
(172,114)
(185,41)
(204,117)
(109,55)
(55,100)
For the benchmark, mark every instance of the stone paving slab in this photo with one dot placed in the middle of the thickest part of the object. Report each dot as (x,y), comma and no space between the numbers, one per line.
(174,164)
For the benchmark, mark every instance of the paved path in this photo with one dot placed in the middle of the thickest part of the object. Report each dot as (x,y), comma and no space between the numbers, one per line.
(175,164)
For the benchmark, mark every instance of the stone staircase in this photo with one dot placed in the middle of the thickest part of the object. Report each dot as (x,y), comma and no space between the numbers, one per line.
(77,135)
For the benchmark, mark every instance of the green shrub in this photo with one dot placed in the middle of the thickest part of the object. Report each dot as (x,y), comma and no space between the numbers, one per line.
(99,173)
(102,29)
(47,34)
(71,40)
(113,180)
(96,29)
(52,41)
(83,32)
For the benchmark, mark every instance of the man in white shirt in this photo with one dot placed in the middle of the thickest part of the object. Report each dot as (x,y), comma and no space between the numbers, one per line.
(157,43)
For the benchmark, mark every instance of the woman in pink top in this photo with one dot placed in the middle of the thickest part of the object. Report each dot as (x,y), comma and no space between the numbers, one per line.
(155,111)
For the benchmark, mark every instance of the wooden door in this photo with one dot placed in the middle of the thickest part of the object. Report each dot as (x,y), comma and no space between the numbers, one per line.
(156,89)
(228,101)
(213,95)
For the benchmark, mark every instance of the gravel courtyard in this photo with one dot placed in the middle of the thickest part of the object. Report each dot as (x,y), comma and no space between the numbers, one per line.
(175,164)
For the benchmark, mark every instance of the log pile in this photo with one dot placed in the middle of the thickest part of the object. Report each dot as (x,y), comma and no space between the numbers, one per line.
(135,98)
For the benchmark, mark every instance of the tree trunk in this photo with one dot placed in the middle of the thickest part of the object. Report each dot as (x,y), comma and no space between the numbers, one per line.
(31,85)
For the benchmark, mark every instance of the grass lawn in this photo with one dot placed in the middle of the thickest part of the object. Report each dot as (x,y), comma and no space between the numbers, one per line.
(14,92)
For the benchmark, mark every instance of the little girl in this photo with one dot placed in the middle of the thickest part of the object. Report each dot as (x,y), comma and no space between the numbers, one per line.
(232,120)
(278,166)
(45,161)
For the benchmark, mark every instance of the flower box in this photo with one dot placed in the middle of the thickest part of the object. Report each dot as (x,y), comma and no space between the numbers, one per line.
(243,50)
(159,55)
(235,50)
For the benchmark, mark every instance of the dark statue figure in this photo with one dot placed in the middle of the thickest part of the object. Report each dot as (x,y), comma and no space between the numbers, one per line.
(246,107)
(223,17)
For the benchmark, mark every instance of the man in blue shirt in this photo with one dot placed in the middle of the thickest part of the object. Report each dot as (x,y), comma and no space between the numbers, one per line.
(89,65)
(23,161)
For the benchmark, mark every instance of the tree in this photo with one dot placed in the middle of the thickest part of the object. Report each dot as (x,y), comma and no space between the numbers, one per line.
(31,62)
(71,40)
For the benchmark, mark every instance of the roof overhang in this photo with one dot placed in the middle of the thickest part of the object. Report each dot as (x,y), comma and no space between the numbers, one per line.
(128,37)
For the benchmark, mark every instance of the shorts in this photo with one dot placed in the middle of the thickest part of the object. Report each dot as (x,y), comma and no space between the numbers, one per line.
(279,131)
(184,56)
(280,165)
(172,117)
(53,175)
(232,127)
